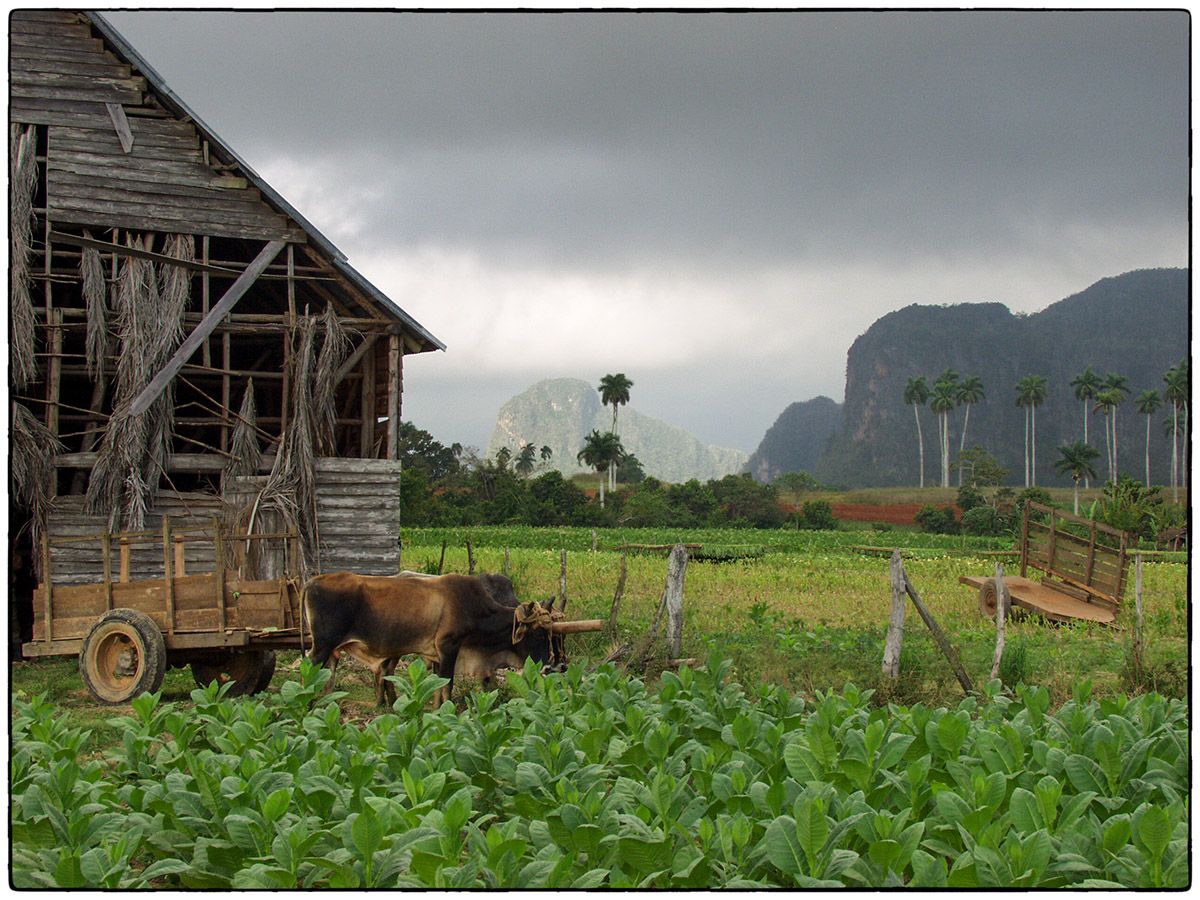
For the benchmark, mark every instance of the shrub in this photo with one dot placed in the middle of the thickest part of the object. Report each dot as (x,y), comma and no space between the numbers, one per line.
(938,521)
(983,520)
(969,497)
(817,515)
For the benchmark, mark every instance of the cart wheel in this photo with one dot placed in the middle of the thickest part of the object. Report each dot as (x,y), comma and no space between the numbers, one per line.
(987,600)
(123,655)
(249,670)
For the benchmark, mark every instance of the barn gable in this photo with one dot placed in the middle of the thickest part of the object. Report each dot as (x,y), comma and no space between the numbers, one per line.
(118,191)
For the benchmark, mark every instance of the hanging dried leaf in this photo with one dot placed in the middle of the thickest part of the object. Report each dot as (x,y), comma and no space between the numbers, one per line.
(23,178)
(244,447)
(95,296)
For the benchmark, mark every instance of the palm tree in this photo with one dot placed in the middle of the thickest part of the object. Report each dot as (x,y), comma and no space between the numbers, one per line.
(1086,384)
(503,455)
(1031,393)
(546,453)
(969,392)
(1117,387)
(1177,393)
(1148,403)
(614,391)
(941,403)
(525,460)
(1076,460)
(600,452)
(916,394)
(1105,402)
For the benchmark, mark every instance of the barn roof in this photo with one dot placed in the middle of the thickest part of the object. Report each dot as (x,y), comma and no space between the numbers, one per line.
(171,101)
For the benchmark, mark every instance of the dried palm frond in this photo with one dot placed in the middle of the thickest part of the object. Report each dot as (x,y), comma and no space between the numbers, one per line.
(95,296)
(32,471)
(290,490)
(149,328)
(335,346)
(23,177)
(246,453)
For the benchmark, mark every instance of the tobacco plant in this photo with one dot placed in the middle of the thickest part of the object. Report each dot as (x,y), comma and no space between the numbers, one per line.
(588,780)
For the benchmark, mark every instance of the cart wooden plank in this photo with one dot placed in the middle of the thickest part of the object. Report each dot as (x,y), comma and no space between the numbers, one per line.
(1046,600)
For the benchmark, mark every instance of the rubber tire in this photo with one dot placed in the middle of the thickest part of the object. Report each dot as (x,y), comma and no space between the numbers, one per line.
(249,670)
(104,647)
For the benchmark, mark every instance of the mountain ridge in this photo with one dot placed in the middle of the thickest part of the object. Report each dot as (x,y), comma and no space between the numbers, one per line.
(560,412)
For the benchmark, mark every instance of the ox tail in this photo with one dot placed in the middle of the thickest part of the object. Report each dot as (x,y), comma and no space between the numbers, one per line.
(306,617)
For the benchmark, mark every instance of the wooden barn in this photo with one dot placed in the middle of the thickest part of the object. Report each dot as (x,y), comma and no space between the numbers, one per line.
(183,343)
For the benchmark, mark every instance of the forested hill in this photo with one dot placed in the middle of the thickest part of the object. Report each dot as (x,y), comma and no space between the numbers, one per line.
(796,440)
(559,413)
(1134,324)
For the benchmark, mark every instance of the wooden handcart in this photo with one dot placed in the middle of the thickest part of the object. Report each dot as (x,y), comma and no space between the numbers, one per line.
(1084,567)
(128,632)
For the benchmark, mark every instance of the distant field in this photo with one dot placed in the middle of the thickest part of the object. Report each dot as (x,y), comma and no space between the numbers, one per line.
(805,610)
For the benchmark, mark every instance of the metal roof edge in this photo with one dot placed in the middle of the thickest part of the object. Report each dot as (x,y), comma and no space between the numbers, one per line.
(159,85)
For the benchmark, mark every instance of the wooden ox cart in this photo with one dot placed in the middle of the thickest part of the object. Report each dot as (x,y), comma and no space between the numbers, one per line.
(1084,568)
(127,632)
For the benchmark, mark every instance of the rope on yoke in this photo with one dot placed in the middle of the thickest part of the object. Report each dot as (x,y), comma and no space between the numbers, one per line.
(534,615)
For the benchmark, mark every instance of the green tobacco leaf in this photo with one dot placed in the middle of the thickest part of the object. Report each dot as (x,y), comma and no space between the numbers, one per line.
(1085,775)
(783,847)
(1023,809)
(1117,832)
(366,833)
(1152,830)
(812,829)
(928,871)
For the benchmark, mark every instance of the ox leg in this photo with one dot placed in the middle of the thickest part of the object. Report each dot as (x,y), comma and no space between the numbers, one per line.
(447,662)
(386,691)
(327,656)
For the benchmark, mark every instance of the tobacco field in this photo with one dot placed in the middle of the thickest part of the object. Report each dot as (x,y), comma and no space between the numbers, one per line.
(592,780)
(762,764)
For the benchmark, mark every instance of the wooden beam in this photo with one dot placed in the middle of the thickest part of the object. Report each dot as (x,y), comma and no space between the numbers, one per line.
(192,342)
(393,397)
(116,112)
(352,360)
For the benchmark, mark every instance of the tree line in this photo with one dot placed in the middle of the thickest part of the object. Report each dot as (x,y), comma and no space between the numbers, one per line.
(1103,395)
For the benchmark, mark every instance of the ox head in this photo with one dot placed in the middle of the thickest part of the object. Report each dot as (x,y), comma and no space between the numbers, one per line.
(539,630)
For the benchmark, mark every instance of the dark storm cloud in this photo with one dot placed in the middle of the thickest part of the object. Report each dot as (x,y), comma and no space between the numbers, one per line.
(716,204)
(608,138)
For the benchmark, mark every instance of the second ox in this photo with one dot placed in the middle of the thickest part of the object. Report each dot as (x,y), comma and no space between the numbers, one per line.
(377,619)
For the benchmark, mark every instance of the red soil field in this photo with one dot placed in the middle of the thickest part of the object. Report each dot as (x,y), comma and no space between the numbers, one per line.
(890,513)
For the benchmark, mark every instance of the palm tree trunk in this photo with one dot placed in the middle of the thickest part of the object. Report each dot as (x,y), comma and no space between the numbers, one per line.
(1183,468)
(946,449)
(1076,495)
(1026,446)
(1108,446)
(962,442)
(920,444)
(602,489)
(1147,450)
(1175,450)
(1086,480)
(1116,462)
(1033,446)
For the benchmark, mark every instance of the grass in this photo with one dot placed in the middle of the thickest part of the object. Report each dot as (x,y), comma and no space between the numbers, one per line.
(810,614)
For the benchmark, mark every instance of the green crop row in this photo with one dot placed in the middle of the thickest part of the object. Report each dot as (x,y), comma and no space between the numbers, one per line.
(590,780)
(777,540)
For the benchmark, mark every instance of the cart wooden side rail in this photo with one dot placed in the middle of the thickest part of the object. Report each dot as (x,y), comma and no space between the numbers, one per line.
(1084,566)
(127,632)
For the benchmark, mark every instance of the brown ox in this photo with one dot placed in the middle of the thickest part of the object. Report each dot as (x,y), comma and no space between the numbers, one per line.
(378,619)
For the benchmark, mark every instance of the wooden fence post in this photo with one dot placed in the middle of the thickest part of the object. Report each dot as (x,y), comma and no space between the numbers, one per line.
(895,633)
(1138,634)
(470,558)
(504,568)
(939,637)
(562,580)
(1001,616)
(442,559)
(673,597)
(616,604)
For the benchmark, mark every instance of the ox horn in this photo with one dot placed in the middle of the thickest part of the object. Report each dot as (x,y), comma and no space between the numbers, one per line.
(578,626)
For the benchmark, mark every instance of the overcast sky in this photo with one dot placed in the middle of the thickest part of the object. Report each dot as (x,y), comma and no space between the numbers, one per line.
(714,204)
